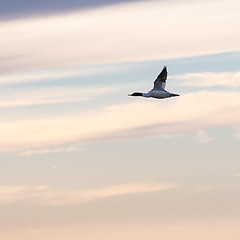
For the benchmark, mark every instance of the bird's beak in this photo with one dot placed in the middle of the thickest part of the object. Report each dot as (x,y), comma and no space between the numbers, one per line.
(129,94)
(175,95)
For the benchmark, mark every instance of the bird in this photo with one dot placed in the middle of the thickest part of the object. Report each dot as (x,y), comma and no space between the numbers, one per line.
(158,90)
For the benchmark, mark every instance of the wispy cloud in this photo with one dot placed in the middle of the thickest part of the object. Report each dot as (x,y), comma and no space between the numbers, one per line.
(141,118)
(121,33)
(202,188)
(234,175)
(56,73)
(73,148)
(208,79)
(33,96)
(48,196)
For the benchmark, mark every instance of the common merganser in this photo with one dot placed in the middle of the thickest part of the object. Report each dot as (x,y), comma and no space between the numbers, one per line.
(158,90)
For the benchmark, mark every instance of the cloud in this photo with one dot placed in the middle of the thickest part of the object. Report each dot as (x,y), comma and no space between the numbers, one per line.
(56,74)
(120,34)
(29,7)
(237,132)
(48,196)
(208,79)
(138,118)
(203,136)
(74,148)
(202,188)
(53,95)
(234,175)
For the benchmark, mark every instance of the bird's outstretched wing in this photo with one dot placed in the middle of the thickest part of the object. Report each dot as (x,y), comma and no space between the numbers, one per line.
(160,82)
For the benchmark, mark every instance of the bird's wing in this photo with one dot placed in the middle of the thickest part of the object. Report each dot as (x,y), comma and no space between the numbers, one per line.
(160,82)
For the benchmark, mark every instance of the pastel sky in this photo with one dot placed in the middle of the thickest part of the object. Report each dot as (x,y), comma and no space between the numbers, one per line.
(82,160)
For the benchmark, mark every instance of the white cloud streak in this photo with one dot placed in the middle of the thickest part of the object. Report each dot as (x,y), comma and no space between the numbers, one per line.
(73,148)
(48,196)
(55,74)
(209,79)
(53,95)
(127,32)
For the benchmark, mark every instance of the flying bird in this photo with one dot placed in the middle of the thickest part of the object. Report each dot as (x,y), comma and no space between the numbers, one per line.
(158,90)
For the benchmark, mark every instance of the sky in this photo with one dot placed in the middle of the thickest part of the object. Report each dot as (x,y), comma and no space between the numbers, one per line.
(79,159)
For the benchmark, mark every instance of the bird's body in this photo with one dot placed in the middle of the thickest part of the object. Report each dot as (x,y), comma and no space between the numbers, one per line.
(157,94)
(158,90)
